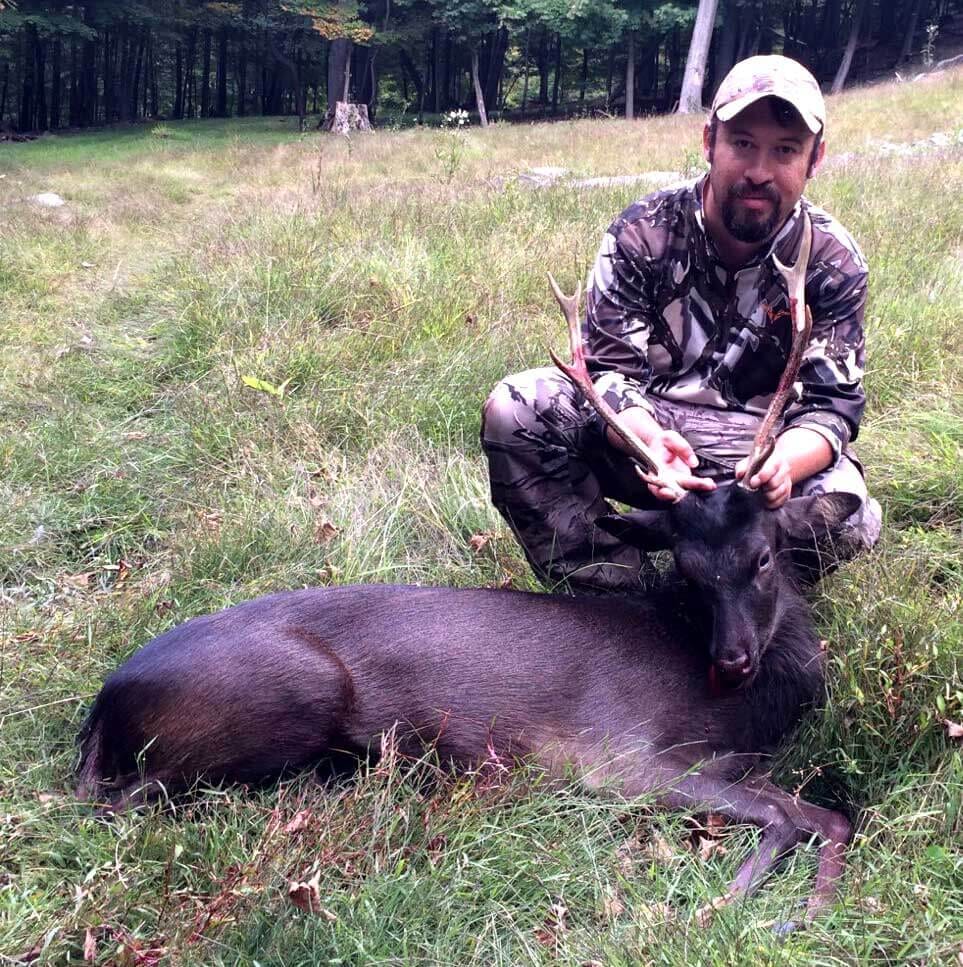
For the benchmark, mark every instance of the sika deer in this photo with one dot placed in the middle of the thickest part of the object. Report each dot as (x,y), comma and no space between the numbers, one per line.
(624,692)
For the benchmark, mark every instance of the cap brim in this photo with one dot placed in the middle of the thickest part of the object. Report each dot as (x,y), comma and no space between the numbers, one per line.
(728,111)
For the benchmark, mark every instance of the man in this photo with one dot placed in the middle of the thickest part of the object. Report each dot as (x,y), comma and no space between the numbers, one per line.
(687,331)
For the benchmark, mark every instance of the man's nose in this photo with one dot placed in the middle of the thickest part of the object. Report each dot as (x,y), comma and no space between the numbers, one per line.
(759,172)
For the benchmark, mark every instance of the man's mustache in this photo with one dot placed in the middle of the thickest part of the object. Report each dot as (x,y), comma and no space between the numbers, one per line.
(744,189)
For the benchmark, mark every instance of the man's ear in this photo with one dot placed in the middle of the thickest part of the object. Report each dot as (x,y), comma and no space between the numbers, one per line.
(816,162)
(815,517)
(706,143)
(648,530)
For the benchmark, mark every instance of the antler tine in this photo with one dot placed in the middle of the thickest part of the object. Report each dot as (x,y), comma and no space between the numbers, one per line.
(802,322)
(648,465)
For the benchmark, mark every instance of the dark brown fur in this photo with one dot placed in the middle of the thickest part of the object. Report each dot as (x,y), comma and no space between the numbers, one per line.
(617,690)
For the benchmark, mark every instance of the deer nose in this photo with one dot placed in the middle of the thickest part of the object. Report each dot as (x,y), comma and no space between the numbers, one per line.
(735,669)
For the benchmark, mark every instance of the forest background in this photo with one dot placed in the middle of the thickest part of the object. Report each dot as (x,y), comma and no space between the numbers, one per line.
(77,65)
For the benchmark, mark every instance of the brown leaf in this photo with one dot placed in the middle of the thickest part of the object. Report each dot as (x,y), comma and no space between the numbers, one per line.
(90,946)
(716,823)
(655,913)
(306,896)
(325,532)
(300,820)
(954,730)
(660,850)
(705,915)
(548,934)
(613,906)
(709,847)
(478,542)
(79,581)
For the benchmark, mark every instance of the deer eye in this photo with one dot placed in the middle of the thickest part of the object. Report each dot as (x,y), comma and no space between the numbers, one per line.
(765,562)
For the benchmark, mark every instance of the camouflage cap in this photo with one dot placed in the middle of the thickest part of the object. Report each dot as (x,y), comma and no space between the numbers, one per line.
(770,75)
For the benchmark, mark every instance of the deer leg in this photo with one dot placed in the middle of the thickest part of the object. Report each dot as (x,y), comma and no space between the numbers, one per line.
(784,821)
(832,827)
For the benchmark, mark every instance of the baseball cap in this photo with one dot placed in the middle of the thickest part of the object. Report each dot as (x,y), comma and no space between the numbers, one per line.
(770,75)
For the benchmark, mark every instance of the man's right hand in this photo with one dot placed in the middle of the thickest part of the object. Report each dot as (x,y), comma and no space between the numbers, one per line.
(670,447)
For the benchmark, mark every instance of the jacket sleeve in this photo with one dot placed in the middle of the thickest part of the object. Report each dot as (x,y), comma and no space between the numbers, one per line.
(832,399)
(618,315)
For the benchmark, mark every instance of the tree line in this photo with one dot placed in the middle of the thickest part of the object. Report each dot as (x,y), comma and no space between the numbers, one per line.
(77,65)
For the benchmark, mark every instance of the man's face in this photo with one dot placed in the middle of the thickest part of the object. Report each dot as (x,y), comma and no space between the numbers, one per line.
(759,168)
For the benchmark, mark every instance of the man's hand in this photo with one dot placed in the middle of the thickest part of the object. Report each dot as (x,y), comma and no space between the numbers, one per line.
(799,453)
(670,447)
(680,460)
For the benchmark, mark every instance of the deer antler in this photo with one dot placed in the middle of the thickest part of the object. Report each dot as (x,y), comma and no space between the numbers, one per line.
(647,464)
(802,323)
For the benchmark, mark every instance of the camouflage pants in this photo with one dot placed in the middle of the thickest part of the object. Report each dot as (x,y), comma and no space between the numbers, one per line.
(552,474)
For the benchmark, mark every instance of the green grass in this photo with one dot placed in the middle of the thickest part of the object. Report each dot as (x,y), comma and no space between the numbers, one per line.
(388,287)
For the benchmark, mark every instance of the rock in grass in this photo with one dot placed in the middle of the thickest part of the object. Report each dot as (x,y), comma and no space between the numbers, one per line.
(48,199)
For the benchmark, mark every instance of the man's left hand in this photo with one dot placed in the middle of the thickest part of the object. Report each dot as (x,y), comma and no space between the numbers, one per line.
(799,453)
(774,479)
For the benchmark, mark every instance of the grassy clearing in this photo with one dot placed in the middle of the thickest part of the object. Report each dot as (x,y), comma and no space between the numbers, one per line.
(387,282)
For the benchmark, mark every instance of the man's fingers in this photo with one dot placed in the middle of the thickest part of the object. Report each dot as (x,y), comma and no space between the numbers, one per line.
(679,446)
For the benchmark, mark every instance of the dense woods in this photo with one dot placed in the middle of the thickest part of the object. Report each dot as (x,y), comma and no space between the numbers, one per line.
(76,65)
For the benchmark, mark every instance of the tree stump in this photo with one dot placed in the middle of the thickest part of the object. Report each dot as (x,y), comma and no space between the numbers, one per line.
(347,117)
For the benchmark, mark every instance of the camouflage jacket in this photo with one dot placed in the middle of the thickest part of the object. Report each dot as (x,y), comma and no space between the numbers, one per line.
(666,318)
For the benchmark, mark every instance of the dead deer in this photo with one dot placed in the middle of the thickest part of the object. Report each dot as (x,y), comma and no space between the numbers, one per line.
(635,694)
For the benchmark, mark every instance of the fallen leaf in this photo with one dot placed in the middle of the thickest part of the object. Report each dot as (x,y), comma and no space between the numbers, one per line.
(716,823)
(81,580)
(325,532)
(613,906)
(478,542)
(300,820)
(953,729)
(704,915)
(306,896)
(90,946)
(655,913)
(554,925)
(660,850)
(709,847)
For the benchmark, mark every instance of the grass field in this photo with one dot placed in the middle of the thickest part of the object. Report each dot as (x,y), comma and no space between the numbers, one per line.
(386,282)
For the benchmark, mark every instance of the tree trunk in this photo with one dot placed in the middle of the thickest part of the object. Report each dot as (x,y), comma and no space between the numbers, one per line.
(55,84)
(556,86)
(479,94)
(609,78)
(178,85)
(584,79)
(630,79)
(221,106)
(906,50)
(339,72)
(525,69)
(241,78)
(88,85)
(843,72)
(690,98)
(728,38)
(543,68)
(3,91)
(189,83)
(206,75)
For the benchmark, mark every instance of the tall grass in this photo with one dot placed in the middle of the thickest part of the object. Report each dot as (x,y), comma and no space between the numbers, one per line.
(144,480)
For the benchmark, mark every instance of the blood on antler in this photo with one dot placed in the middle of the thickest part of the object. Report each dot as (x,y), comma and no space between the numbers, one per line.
(802,323)
(647,465)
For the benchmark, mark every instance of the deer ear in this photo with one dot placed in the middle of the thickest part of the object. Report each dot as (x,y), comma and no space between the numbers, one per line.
(806,518)
(649,530)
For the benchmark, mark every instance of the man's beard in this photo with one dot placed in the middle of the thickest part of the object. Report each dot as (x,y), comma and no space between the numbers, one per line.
(745,225)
